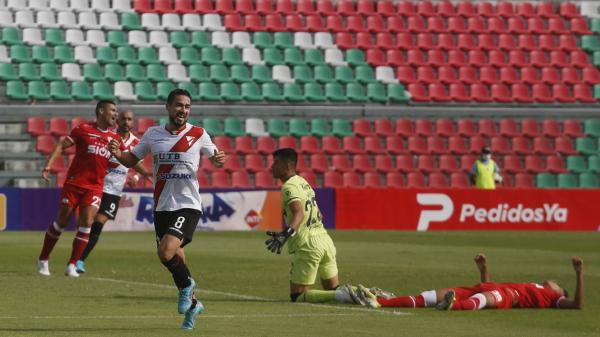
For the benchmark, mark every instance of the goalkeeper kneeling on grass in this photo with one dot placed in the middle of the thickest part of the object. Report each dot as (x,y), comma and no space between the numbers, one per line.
(310,247)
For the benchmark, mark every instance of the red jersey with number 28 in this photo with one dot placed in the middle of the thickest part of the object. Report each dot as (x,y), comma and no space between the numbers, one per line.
(533,295)
(91,162)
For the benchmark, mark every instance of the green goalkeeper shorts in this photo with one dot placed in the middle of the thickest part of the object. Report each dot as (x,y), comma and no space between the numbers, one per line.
(316,256)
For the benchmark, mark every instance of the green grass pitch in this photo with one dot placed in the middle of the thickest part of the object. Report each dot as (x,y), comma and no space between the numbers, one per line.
(127,292)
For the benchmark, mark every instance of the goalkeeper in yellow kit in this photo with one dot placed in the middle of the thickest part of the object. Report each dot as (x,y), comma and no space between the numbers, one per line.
(311,250)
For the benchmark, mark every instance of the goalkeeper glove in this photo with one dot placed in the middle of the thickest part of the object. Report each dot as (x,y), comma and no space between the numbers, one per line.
(277,240)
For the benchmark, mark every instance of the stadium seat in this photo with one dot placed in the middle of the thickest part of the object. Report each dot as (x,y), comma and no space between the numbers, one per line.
(394,180)
(594,164)
(332,179)
(457,145)
(588,180)
(523,180)
(143,123)
(448,164)
(361,163)
(564,145)
(45,144)
(534,164)
(319,163)
(512,164)
(405,163)
(352,144)
(566,180)
(555,164)
(264,180)
(58,127)
(487,128)
(476,143)
(542,146)
(36,126)
(465,127)
(415,180)
(437,180)
(244,145)
(435,145)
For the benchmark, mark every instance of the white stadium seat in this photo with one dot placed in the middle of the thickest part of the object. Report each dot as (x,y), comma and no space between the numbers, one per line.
(101,6)
(303,40)
(151,21)
(4,54)
(172,22)
(67,20)
(38,5)
(24,19)
(16,5)
(123,90)
(96,38)
(220,39)
(212,22)
(255,127)
(80,5)
(282,74)
(75,37)
(109,21)
(46,19)
(159,39)
(6,19)
(59,5)
(251,56)
(192,22)
(88,20)
(122,6)
(71,72)
(84,54)
(324,41)
(168,55)
(335,57)
(385,75)
(33,36)
(241,40)
(177,73)
(137,38)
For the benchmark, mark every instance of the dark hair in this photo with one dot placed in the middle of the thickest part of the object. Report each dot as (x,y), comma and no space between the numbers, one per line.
(178,92)
(103,103)
(287,154)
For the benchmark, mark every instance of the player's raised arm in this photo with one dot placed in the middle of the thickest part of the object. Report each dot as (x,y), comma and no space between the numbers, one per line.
(577,302)
(125,158)
(481,262)
(58,151)
(218,159)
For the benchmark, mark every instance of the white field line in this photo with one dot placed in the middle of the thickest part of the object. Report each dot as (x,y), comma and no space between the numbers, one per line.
(248,297)
(241,316)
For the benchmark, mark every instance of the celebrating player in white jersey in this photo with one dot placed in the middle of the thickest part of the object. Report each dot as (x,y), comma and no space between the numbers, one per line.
(114,182)
(175,149)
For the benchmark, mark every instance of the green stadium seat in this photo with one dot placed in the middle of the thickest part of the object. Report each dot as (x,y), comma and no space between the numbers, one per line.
(262,40)
(208,92)
(376,92)
(591,127)
(117,38)
(597,86)
(567,180)
(588,180)
(49,72)
(276,127)
(92,72)
(180,39)
(15,90)
(323,74)
(147,55)
(28,72)
(19,54)
(283,40)
(131,21)
(54,37)
(594,164)
(586,146)
(396,93)
(155,73)
(135,73)
(230,92)
(334,92)
(240,74)
(590,43)
(59,91)
(595,26)
(40,54)
(191,88)
(234,127)
(355,57)
(194,122)
(213,126)
(80,91)
(189,55)
(342,127)
(271,92)
(102,90)
(113,73)
(126,55)
(11,36)
(272,56)
(320,127)
(344,75)
(163,89)
(201,40)
(545,180)
(298,127)
(144,91)
(293,93)
(218,73)
(8,72)
(251,92)
(576,164)
(293,57)
(302,74)
(210,56)
(314,57)
(37,90)
(63,54)
(364,74)
(356,93)
(313,92)
(197,73)
(231,56)
(105,55)
(261,74)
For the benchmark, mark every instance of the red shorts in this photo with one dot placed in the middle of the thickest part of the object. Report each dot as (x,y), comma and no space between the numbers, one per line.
(76,196)
(504,299)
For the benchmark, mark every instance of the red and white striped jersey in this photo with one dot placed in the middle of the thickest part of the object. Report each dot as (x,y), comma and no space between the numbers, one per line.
(116,177)
(176,156)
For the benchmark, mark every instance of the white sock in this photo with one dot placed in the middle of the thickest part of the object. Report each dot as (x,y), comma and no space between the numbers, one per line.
(430,298)
(482,300)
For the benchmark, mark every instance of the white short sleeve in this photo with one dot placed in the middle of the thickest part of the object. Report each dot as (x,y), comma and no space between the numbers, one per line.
(206,145)
(142,149)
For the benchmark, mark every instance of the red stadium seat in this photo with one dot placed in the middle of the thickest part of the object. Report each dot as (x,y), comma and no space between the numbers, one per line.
(383,163)
(345,7)
(203,6)
(416,24)
(352,145)
(568,43)
(512,164)
(583,93)
(384,41)
(404,127)
(334,24)
(520,145)
(224,7)
(325,7)
(476,143)
(314,23)
(564,146)
(535,25)
(555,164)
(205,164)
(344,41)
(355,24)
(415,57)
(404,40)
(233,22)
(224,143)
(542,93)
(525,9)
(487,42)
(446,74)
(465,9)
(499,145)
(143,123)
(264,180)
(523,180)
(457,145)
(418,92)
(425,8)
(406,74)
(293,23)
(340,162)
(76,121)
(58,165)
(309,145)
(550,75)
(245,6)
(436,58)
(395,24)
(424,127)
(466,162)
(384,127)
(479,93)
(577,58)
(394,179)
(426,163)
(516,25)
(459,180)
(361,163)
(274,23)
(45,144)
(508,127)
(233,163)
(517,58)
(406,8)
(530,75)
(551,128)
(372,180)
(253,23)
(590,75)
(331,145)
(319,163)
(373,145)
(444,127)
(572,128)
(36,126)
(254,163)
(395,145)
(465,42)
(385,7)
(569,75)
(287,141)
(545,10)
(579,26)
(456,25)
(243,145)
(415,180)
(557,26)
(332,179)
(301,166)
(426,74)
(500,93)
(448,164)
(568,9)
(265,145)
(310,178)
(285,7)
(497,58)
(183,7)
(496,25)
(534,164)
(476,25)
(445,8)
(437,92)
(351,179)
(558,58)
(465,127)
(405,163)
(435,24)
(562,93)
(376,24)
(542,145)
(437,180)
(530,128)
(436,145)
(220,179)
(143,6)
(526,42)
(305,7)
(458,92)
(487,128)
(520,93)
(508,75)
(375,57)
(488,75)
(240,179)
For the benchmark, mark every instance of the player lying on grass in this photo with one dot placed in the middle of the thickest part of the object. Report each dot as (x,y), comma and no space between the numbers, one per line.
(488,295)
(310,247)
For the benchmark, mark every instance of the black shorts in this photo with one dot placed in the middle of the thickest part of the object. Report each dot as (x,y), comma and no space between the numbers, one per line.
(109,205)
(180,223)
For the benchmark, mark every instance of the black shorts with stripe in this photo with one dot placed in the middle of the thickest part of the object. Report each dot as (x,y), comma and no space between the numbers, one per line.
(109,205)
(181,223)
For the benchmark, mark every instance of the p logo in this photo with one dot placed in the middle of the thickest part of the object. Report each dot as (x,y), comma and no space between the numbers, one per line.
(434,199)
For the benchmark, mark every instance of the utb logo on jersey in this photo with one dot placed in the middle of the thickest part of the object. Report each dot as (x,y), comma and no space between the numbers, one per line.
(253,219)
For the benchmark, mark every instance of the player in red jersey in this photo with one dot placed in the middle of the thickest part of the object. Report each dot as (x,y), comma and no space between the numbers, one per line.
(487,295)
(83,186)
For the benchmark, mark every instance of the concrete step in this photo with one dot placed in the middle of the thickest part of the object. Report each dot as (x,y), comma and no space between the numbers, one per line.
(13,128)
(16,146)
(32,183)
(22,165)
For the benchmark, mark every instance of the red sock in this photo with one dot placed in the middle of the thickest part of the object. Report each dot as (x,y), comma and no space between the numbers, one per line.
(403,302)
(50,239)
(79,243)
(470,303)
